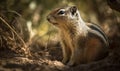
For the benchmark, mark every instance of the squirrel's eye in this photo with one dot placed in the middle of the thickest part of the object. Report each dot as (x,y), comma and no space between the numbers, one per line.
(61,12)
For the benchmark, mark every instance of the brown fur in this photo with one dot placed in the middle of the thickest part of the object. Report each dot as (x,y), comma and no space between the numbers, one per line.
(81,43)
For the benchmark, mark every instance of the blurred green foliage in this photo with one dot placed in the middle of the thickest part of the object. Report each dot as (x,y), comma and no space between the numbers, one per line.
(35,12)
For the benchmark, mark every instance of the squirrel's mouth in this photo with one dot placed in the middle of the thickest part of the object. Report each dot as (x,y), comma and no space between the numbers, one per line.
(51,20)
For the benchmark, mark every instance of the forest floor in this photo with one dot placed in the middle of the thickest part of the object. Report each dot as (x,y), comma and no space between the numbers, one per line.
(49,59)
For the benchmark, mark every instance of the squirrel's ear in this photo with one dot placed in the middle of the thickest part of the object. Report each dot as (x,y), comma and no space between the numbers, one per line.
(73,9)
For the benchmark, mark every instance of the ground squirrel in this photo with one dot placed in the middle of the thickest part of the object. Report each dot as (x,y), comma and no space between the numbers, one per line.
(81,42)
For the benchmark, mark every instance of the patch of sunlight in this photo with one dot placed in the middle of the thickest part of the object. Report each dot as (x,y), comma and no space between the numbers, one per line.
(43,29)
(46,31)
(32,32)
(32,5)
(52,36)
(60,65)
(46,37)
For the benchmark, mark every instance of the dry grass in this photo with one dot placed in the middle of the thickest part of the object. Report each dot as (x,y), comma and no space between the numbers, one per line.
(11,35)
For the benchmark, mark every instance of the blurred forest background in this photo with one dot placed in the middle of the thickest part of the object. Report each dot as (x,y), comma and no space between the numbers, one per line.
(29,43)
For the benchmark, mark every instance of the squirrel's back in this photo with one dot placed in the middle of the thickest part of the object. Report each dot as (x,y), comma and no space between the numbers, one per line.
(97,30)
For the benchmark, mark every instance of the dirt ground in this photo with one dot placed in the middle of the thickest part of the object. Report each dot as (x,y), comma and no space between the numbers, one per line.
(49,59)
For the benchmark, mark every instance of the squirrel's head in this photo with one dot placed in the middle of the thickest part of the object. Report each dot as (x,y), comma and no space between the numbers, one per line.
(64,16)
